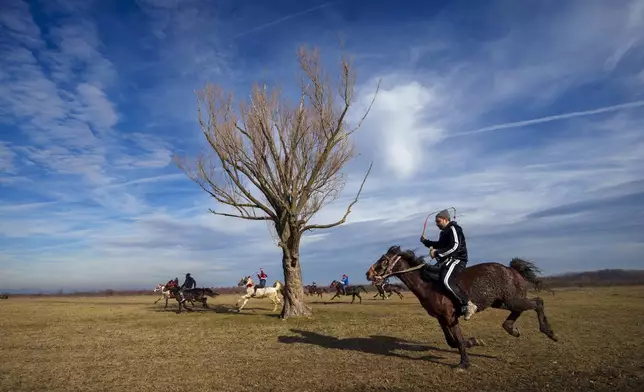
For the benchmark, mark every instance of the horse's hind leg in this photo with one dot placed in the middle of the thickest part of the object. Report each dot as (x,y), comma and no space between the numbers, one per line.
(520,305)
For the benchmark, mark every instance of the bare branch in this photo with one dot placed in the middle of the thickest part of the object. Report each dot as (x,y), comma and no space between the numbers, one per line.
(248,217)
(348,211)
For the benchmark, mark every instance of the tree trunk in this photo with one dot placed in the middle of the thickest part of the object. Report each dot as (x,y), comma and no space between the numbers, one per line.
(294,305)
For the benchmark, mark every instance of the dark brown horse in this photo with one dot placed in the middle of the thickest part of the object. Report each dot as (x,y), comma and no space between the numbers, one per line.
(349,290)
(314,290)
(192,295)
(385,290)
(487,284)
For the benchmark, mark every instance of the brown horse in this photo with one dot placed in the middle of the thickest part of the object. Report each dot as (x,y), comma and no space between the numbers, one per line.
(314,290)
(487,284)
(385,290)
(349,290)
(192,295)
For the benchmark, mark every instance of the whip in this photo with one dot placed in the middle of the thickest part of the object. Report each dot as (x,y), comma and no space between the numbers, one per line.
(427,218)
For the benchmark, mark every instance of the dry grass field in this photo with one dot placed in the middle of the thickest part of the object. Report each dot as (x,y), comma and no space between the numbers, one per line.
(129,344)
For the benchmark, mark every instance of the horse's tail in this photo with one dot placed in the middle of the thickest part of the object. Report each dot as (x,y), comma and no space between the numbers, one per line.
(528,270)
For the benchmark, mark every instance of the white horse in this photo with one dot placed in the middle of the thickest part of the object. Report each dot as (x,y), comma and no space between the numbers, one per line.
(267,292)
(167,294)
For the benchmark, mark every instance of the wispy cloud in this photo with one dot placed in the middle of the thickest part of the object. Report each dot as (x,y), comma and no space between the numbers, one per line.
(284,19)
(519,124)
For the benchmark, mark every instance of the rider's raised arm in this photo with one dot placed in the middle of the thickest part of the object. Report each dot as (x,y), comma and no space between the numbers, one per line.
(442,242)
(429,243)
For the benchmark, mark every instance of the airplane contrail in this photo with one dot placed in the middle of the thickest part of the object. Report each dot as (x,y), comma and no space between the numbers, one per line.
(606,109)
(285,18)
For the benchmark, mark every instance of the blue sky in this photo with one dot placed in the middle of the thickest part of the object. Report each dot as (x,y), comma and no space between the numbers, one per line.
(526,116)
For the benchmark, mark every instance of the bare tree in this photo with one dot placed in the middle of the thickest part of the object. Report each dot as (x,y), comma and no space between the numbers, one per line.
(280,161)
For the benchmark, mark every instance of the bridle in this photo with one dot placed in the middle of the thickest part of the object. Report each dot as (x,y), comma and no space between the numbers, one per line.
(389,268)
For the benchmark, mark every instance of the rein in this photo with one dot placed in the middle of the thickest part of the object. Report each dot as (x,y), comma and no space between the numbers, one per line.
(392,263)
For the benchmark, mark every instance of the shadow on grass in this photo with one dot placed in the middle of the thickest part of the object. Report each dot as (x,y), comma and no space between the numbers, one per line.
(380,345)
(218,308)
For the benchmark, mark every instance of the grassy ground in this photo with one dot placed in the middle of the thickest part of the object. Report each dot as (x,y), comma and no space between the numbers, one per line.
(126,343)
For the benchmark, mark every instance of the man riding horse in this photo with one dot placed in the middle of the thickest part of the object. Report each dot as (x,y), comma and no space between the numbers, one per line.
(344,282)
(189,283)
(450,251)
(262,281)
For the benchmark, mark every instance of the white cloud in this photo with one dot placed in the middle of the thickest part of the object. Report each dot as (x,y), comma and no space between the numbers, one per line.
(399,118)
(6,158)
(100,111)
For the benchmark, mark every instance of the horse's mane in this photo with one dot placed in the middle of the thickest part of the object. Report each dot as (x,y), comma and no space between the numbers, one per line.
(409,255)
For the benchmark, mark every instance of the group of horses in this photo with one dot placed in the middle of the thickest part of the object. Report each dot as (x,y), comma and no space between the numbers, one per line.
(202,294)
(190,295)
(385,290)
(488,285)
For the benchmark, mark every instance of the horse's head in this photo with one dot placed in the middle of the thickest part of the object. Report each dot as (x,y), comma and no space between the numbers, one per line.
(391,262)
(333,284)
(243,281)
(158,288)
(210,292)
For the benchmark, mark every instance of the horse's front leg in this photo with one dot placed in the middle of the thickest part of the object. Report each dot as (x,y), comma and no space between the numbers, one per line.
(455,329)
(166,302)
(243,304)
(451,341)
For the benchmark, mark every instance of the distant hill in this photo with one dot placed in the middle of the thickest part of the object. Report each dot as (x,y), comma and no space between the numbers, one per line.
(605,277)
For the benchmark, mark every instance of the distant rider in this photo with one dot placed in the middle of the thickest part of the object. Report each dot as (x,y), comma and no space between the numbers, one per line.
(344,282)
(450,251)
(262,281)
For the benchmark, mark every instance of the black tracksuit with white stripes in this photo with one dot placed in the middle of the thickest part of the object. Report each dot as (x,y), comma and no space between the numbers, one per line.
(451,254)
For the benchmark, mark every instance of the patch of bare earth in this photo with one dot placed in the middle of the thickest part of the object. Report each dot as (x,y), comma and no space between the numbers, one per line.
(127,343)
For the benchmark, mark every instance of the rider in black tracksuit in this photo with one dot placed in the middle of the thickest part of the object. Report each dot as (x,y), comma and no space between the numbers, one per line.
(451,253)
(189,283)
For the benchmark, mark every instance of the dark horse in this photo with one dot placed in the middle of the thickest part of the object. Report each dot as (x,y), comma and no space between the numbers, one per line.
(349,290)
(4,296)
(192,295)
(314,290)
(385,290)
(487,284)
